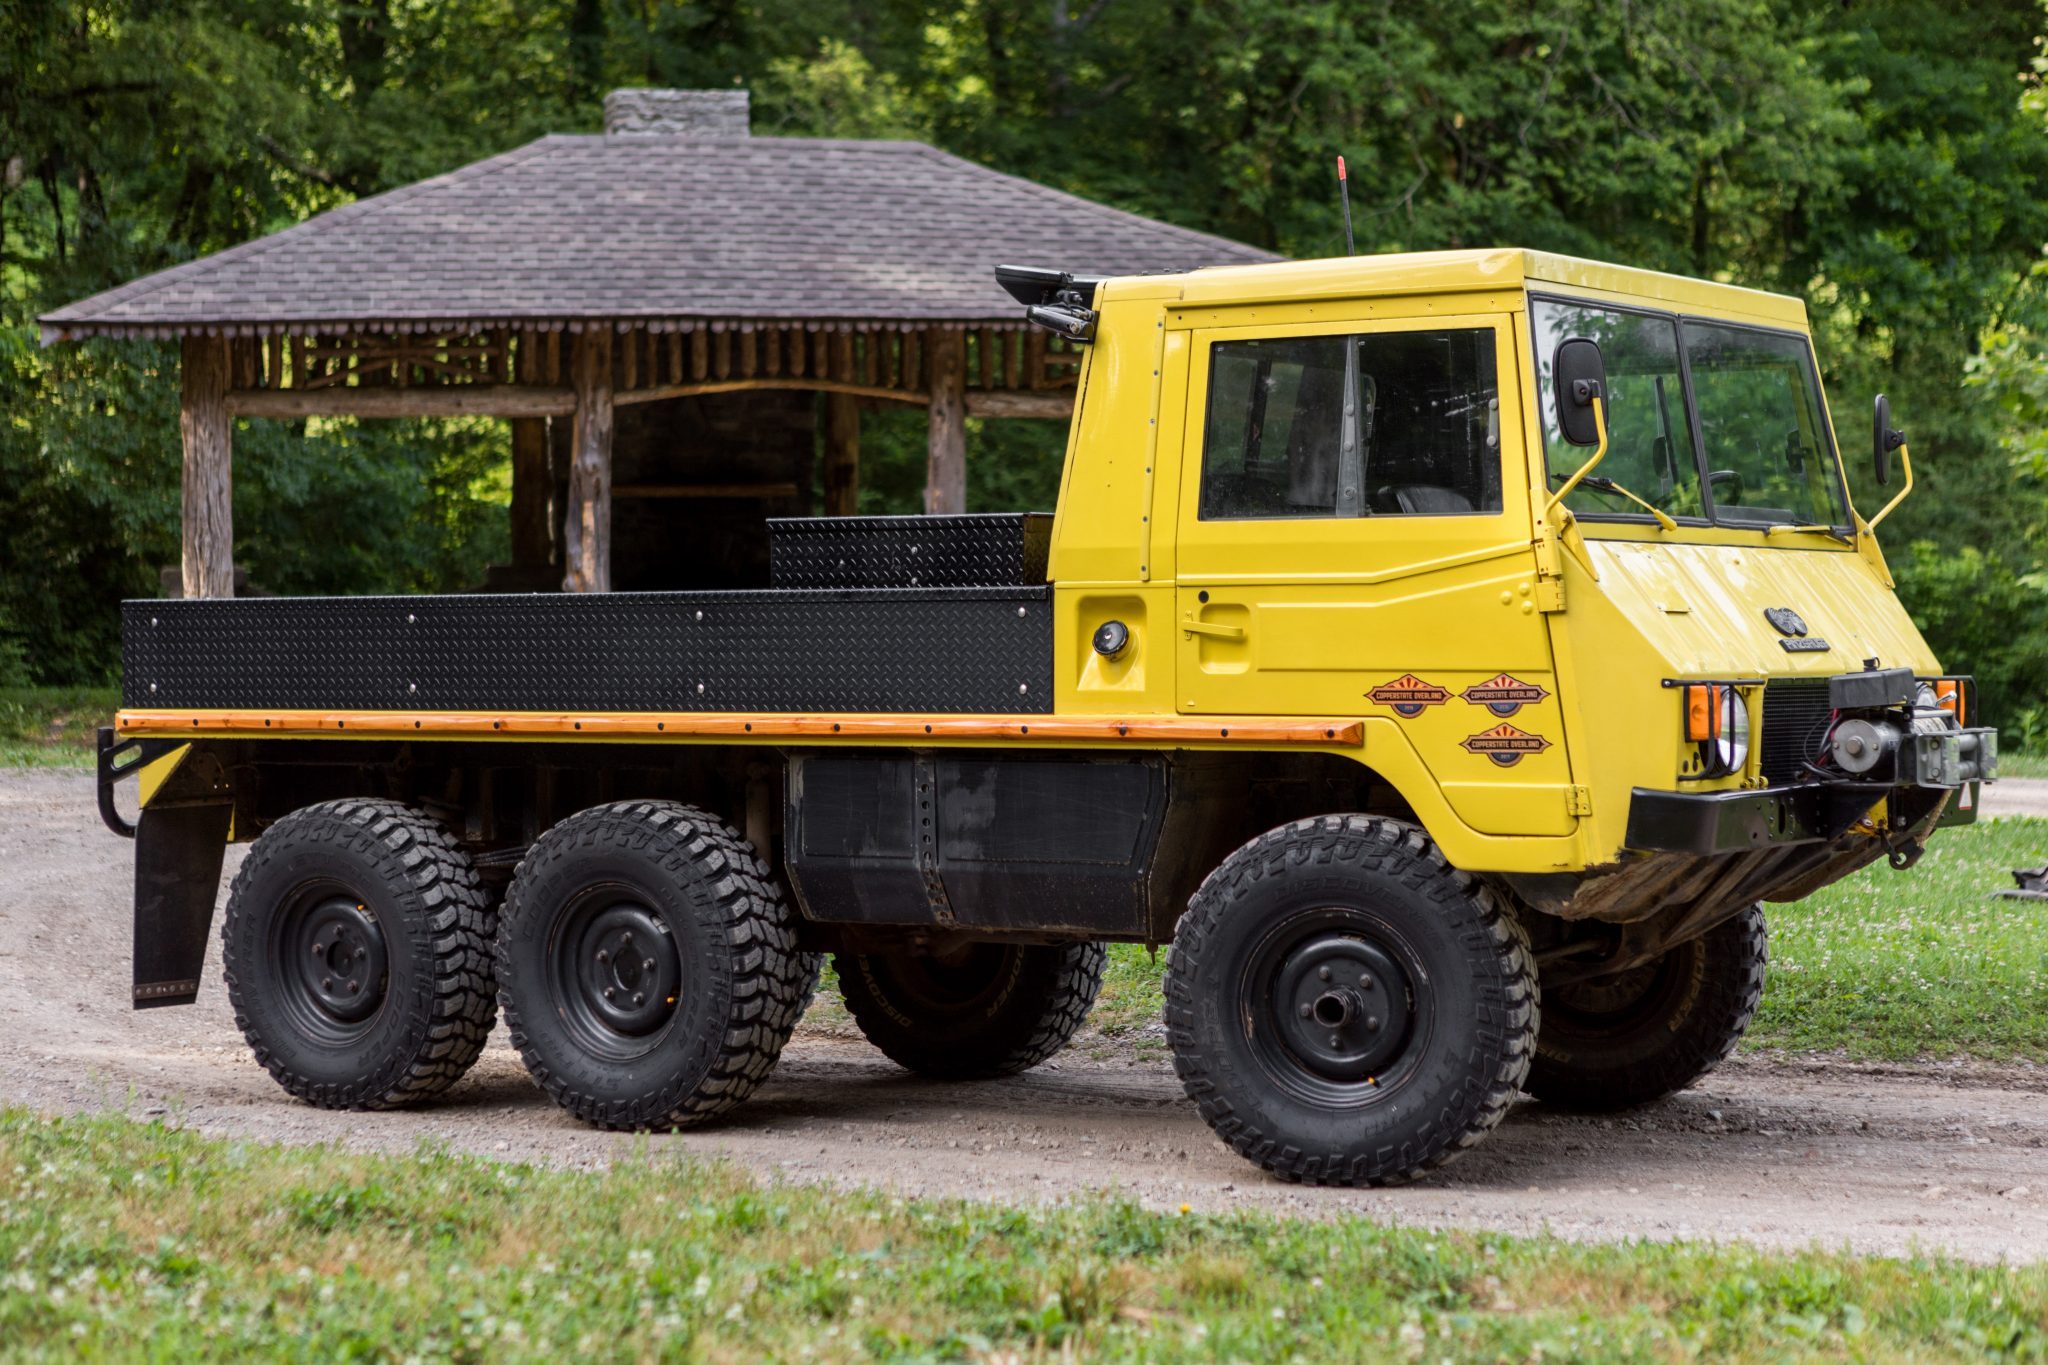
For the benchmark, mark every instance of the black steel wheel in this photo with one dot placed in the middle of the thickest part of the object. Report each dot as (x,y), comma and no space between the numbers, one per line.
(1346,1008)
(648,966)
(972,1010)
(356,954)
(1614,1042)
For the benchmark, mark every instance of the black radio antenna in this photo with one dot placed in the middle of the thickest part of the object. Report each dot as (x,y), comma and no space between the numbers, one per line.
(1344,193)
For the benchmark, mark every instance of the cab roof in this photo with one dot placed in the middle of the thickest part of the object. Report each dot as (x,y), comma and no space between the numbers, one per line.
(1449,272)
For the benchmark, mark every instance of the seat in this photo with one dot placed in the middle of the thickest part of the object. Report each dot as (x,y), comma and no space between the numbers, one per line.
(1427,499)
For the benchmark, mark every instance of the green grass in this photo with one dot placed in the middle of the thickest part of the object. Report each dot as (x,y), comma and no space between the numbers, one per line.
(126,1240)
(53,726)
(1896,965)
(1881,966)
(2022,765)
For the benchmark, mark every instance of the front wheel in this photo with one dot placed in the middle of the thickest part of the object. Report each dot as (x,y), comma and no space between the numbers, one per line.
(1346,1008)
(1652,1030)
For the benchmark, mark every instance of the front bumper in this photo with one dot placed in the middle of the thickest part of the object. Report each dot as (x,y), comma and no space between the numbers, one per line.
(1773,817)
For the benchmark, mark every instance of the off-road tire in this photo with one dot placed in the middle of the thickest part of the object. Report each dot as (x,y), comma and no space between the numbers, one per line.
(391,875)
(739,982)
(1696,1001)
(1002,1009)
(1430,948)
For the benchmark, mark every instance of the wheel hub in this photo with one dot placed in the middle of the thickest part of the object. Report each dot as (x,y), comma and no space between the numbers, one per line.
(1343,1006)
(627,972)
(341,959)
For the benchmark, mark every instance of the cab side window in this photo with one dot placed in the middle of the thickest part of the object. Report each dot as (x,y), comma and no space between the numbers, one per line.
(1424,439)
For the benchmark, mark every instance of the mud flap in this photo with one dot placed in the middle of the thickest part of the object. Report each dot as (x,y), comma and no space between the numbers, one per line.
(178,853)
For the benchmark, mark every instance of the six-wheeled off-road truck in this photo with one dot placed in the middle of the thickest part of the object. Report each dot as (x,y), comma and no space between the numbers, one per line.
(1447,655)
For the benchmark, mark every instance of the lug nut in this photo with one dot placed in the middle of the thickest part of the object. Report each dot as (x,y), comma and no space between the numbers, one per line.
(1335,1041)
(1364,982)
(603,956)
(638,998)
(1322,973)
(354,986)
(1307,1010)
(647,964)
(1372,1023)
(326,983)
(610,994)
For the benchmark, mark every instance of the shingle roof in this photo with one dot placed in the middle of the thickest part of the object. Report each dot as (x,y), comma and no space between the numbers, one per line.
(584,228)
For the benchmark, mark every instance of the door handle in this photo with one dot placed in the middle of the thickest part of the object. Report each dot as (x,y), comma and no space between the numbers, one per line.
(1191,626)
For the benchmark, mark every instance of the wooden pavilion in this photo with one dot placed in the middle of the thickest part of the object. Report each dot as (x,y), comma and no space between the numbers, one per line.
(667,314)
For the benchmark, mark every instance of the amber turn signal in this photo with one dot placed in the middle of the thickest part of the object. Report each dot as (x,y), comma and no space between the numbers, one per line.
(1948,695)
(1702,711)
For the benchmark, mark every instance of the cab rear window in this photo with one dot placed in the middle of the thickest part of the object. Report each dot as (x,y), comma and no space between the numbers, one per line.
(1426,439)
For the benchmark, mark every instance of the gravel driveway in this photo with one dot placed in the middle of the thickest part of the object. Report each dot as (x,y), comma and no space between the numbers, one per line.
(1879,1159)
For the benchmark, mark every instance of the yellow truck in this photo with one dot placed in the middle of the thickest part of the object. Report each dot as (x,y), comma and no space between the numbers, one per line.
(1446,654)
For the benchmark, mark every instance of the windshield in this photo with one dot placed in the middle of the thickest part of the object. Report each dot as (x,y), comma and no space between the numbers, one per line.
(1760,425)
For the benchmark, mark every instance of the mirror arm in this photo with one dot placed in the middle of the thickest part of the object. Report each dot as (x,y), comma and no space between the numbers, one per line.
(1905,464)
(1599,453)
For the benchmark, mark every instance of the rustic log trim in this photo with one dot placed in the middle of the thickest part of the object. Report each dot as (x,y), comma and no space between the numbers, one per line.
(842,454)
(665,391)
(207,511)
(587,520)
(1058,403)
(453,400)
(945,479)
(533,535)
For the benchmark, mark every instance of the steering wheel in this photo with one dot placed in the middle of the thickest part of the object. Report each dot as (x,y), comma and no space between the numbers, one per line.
(1717,477)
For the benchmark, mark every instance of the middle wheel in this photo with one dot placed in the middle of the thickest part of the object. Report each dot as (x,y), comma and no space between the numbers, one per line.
(975,1010)
(647,965)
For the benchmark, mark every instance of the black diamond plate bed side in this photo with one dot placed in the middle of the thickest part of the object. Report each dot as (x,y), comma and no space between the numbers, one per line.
(980,650)
(964,551)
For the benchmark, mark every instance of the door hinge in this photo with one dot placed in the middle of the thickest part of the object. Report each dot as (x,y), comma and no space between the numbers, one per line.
(1549,594)
(1578,801)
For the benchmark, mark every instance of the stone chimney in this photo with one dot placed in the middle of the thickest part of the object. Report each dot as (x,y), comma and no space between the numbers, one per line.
(676,113)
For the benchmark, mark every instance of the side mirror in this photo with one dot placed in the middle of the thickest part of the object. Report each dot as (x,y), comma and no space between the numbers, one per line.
(1580,374)
(1883,441)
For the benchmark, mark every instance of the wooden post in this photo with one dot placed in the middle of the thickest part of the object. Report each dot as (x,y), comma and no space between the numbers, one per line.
(842,454)
(587,520)
(208,485)
(532,535)
(945,477)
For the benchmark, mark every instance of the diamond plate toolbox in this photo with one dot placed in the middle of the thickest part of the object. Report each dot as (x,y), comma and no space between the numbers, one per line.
(978,650)
(962,551)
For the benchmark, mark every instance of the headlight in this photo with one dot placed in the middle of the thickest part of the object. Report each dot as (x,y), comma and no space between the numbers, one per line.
(1717,722)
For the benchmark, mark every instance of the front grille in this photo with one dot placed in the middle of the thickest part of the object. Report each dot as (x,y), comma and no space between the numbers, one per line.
(1796,717)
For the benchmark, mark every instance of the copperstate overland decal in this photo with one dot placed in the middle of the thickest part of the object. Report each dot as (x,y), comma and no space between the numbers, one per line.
(1409,695)
(1503,695)
(1505,744)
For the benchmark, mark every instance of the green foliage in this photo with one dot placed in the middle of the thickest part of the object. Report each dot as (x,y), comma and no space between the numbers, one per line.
(1989,617)
(1880,158)
(122,1240)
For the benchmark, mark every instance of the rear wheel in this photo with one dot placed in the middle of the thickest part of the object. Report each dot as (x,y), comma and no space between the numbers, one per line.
(1650,1031)
(1346,1008)
(972,1011)
(357,953)
(648,966)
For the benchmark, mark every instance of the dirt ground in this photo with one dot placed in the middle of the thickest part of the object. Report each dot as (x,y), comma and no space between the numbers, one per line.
(1873,1158)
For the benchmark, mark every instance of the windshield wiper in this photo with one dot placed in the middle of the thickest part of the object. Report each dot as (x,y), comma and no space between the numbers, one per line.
(1786,528)
(1600,483)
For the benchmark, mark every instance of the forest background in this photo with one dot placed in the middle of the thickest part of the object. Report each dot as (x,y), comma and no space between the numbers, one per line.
(1884,159)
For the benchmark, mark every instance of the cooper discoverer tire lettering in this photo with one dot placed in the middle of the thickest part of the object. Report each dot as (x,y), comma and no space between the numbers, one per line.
(648,966)
(357,955)
(973,1011)
(1346,1008)
(1639,1035)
